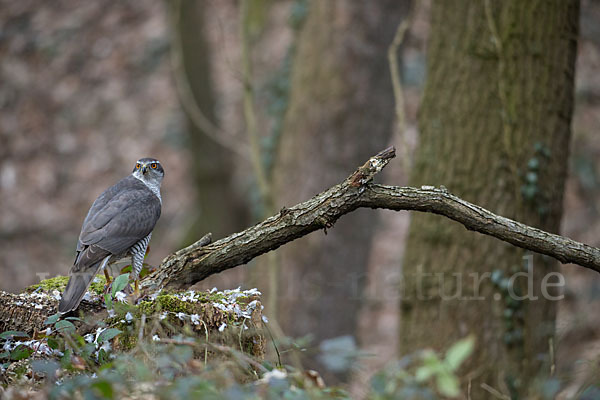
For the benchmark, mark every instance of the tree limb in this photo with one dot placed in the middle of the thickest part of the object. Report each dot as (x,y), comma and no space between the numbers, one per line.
(198,261)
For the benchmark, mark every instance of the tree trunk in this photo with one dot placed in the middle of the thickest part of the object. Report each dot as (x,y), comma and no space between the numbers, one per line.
(341,110)
(494,129)
(219,209)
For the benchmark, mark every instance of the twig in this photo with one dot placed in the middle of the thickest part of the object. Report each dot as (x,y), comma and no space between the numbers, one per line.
(397,85)
(206,337)
(551,352)
(142,326)
(494,392)
(239,355)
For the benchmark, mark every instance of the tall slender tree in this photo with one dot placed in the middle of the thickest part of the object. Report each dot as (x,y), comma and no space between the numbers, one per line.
(494,129)
(219,210)
(341,111)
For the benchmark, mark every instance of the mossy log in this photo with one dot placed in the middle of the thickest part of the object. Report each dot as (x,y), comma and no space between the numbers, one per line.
(230,317)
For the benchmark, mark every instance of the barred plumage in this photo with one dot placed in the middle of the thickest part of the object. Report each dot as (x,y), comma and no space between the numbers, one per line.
(138,252)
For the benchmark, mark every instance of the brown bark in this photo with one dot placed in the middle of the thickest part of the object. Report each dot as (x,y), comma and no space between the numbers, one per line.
(494,129)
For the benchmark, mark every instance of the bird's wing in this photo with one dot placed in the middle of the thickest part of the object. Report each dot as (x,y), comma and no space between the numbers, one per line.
(122,215)
(100,203)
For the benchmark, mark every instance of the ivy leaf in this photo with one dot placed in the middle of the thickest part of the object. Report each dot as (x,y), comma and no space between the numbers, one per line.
(52,319)
(52,343)
(423,373)
(459,352)
(105,388)
(431,366)
(119,283)
(13,334)
(108,334)
(65,326)
(447,384)
(20,352)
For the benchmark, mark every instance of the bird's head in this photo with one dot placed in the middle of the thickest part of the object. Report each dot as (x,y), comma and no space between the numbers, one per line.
(149,170)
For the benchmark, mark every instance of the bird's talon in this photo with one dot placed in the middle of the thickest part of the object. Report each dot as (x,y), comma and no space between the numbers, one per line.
(107,276)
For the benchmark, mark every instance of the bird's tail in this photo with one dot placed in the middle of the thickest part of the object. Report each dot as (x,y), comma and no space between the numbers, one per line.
(77,286)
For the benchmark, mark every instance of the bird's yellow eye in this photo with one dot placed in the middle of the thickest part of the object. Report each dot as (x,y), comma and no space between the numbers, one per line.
(153,165)
(137,166)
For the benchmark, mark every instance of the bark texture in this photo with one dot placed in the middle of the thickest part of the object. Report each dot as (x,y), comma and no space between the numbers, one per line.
(494,129)
(341,111)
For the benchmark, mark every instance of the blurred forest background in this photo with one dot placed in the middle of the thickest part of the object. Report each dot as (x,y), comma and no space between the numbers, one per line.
(252,106)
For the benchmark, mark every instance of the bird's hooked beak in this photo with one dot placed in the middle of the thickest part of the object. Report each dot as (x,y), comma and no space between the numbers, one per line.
(144,169)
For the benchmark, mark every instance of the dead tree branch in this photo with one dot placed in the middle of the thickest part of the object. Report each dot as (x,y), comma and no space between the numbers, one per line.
(198,261)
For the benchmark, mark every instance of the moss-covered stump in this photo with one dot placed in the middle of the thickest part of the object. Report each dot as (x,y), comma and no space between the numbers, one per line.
(230,317)
(27,311)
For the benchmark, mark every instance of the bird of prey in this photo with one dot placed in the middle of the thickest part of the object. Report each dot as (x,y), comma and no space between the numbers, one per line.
(119,224)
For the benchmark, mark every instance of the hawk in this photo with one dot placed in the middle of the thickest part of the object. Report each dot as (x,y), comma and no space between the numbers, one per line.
(119,224)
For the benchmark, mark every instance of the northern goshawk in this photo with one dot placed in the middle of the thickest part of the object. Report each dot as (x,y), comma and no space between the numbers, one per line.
(118,225)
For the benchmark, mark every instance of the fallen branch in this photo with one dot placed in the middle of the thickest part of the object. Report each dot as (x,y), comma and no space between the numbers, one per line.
(192,264)
(200,260)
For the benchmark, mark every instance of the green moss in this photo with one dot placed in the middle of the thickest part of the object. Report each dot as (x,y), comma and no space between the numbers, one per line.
(48,285)
(128,339)
(166,302)
(60,282)
(98,284)
(169,302)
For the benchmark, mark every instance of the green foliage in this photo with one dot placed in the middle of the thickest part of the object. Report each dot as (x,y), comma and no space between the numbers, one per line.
(119,284)
(90,367)
(423,375)
(107,335)
(20,352)
(13,334)
(530,189)
(171,360)
(64,326)
(513,309)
